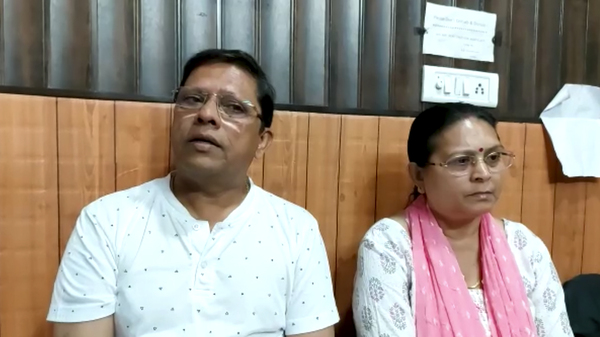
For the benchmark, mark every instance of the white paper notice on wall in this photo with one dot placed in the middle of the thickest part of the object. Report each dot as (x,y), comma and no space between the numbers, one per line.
(459,33)
(572,120)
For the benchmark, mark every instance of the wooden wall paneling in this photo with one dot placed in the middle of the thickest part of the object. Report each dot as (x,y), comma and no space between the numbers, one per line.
(275,41)
(548,44)
(285,160)
(356,204)
(329,53)
(86,157)
(376,59)
(69,44)
(310,55)
(142,133)
(523,67)
(393,181)
(115,46)
(539,175)
(2,57)
(593,44)
(344,47)
(23,43)
(28,213)
(239,25)
(405,82)
(322,177)
(198,24)
(501,65)
(348,171)
(157,56)
(512,136)
(574,40)
(569,204)
(591,250)
(569,221)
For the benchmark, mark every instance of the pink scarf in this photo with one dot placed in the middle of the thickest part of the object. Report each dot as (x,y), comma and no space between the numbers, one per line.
(443,304)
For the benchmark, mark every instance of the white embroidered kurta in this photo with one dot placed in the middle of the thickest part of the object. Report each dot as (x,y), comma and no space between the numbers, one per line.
(384,301)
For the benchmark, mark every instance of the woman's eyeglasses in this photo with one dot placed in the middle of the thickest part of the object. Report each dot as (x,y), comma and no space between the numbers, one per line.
(462,164)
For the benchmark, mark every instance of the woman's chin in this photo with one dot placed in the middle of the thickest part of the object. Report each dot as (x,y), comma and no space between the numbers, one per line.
(479,209)
(476,208)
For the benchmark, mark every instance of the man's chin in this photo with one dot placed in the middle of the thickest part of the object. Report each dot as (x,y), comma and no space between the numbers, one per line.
(202,163)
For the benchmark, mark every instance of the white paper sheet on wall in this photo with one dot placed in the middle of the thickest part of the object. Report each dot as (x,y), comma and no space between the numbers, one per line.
(572,120)
(459,33)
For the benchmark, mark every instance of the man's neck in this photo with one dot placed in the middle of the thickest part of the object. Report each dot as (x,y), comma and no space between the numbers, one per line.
(209,199)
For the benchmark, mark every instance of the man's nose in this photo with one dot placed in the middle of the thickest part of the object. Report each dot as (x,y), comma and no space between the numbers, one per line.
(209,112)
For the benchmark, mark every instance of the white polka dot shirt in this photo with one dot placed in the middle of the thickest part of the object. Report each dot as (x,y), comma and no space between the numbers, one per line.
(138,254)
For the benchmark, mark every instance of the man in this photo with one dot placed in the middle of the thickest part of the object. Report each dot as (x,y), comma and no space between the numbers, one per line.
(202,251)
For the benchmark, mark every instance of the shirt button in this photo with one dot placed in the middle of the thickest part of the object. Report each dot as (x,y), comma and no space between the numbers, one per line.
(196,227)
(203,264)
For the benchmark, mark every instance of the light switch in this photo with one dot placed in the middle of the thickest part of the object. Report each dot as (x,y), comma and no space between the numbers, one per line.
(466,87)
(458,87)
(442,85)
(439,84)
(449,85)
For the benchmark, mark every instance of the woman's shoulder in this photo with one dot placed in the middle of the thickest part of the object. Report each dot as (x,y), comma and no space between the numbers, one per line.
(389,229)
(532,255)
(524,242)
(400,219)
(519,233)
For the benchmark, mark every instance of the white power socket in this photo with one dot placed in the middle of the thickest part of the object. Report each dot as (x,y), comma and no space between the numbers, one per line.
(452,85)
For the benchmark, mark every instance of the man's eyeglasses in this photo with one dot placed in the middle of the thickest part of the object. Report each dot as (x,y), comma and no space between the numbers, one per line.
(190,98)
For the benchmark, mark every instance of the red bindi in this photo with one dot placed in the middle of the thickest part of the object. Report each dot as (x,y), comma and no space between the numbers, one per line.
(480,149)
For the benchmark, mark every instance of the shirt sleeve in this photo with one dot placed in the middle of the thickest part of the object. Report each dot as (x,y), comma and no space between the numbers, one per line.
(311,305)
(85,286)
(381,303)
(551,319)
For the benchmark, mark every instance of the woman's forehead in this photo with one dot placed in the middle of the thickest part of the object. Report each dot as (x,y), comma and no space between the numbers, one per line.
(467,135)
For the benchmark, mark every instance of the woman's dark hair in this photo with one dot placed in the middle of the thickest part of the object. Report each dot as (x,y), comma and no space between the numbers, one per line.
(430,123)
(265,91)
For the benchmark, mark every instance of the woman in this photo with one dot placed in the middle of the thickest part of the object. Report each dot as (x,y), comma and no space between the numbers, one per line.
(445,266)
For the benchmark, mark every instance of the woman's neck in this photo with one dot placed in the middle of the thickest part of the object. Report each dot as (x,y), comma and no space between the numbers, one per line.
(458,230)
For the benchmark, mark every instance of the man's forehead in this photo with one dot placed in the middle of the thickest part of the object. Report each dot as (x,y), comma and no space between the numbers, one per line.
(220,72)
(222,78)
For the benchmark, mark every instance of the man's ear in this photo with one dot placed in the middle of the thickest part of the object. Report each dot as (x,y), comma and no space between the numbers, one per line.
(416,174)
(266,137)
